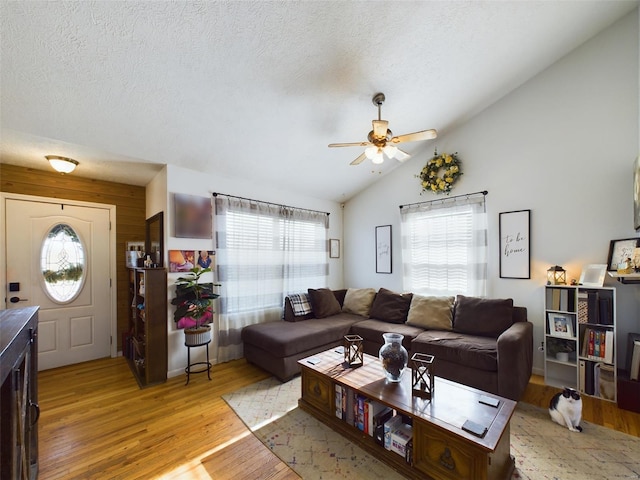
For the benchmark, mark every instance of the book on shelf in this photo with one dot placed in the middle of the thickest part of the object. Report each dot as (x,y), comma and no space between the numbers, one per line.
(564,299)
(378,414)
(597,344)
(400,437)
(592,306)
(608,337)
(359,412)
(605,312)
(595,307)
(553,299)
(581,376)
(591,342)
(408,453)
(583,307)
(561,299)
(339,402)
(588,378)
(389,426)
(348,415)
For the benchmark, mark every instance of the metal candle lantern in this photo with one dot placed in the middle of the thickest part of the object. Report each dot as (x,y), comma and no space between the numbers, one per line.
(422,375)
(353,354)
(556,275)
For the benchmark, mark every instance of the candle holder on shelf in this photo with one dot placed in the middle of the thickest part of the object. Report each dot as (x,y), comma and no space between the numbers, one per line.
(353,354)
(422,375)
(556,275)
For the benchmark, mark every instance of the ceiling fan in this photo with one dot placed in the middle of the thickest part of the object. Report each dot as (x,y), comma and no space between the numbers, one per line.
(381,142)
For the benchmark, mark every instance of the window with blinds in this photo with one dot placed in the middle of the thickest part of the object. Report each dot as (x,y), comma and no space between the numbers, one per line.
(444,248)
(267,255)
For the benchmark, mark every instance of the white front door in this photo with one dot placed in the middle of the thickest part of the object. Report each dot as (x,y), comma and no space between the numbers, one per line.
(58,258)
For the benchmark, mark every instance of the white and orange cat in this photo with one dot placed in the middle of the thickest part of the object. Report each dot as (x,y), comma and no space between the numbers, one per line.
(565,409)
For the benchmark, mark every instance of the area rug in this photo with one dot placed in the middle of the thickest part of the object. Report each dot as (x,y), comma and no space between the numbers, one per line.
(542,449)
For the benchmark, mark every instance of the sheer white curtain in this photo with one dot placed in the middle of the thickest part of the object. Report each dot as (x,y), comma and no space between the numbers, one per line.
(264,252)
(444,247)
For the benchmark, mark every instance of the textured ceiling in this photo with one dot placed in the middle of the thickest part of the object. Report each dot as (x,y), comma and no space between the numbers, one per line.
(258,89)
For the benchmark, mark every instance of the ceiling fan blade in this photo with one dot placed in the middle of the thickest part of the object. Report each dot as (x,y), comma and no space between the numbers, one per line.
(401,156)
(354,144)
(380,128)
(359,160)
(416,136)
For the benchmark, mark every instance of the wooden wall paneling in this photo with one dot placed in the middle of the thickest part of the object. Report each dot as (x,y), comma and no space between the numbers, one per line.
(130,202)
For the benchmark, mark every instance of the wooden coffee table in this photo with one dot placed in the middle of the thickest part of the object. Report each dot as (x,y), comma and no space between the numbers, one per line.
(441,448)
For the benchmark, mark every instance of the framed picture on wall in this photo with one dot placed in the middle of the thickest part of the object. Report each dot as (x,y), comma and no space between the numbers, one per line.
(383,249)
(205,259)
(192,216)
(181,260)
(334,248)
(515,244)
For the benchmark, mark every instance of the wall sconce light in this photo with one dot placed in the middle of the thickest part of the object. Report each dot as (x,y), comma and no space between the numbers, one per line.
(556,275)
(62,164)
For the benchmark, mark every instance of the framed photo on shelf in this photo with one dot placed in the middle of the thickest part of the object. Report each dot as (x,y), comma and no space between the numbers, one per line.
(334,248)
(620,250)
(515,244)
(593,275)
(383,249)
(560,325)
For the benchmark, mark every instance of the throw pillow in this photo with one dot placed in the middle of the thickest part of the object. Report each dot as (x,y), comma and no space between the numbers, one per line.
(482,316)
(339,294)
(431,313)
(390,306)
(324,302)
(358,301)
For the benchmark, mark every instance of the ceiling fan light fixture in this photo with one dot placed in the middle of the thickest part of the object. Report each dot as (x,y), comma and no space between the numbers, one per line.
(390,151)
(62,164)
(381,142)
(378,158)
(371,152)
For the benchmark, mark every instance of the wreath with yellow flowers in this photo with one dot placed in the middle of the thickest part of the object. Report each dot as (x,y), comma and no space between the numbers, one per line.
(440,173)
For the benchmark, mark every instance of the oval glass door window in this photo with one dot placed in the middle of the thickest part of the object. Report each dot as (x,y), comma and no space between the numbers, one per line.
(63,263)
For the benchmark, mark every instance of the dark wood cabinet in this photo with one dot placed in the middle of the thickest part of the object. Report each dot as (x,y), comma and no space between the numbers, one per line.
(19,409)
(147,340)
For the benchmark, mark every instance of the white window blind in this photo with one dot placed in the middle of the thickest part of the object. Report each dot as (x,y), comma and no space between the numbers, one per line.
(444,247)
(264,252)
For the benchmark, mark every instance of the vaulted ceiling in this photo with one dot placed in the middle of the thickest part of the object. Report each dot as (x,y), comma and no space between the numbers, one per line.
(257,89)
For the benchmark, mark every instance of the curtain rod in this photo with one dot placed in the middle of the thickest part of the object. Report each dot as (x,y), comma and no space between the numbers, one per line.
(215,194)
(483,192)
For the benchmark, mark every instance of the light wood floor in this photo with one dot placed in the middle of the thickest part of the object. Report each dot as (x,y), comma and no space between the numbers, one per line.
(97,423)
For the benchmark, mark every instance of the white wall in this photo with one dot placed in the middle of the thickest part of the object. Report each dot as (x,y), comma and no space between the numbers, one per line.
(562,145)
(175,179)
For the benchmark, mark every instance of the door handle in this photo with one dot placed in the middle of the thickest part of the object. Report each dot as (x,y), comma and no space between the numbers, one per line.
(17,299)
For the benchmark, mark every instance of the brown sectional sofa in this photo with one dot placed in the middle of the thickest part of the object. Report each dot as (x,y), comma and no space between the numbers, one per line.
(487,345)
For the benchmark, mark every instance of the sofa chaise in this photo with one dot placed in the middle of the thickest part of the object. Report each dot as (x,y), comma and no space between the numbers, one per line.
(483,343)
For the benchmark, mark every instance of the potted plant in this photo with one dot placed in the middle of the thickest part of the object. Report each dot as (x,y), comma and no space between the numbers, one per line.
(194,311)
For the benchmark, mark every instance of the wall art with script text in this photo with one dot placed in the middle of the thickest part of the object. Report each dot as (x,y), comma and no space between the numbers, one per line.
(515,244)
